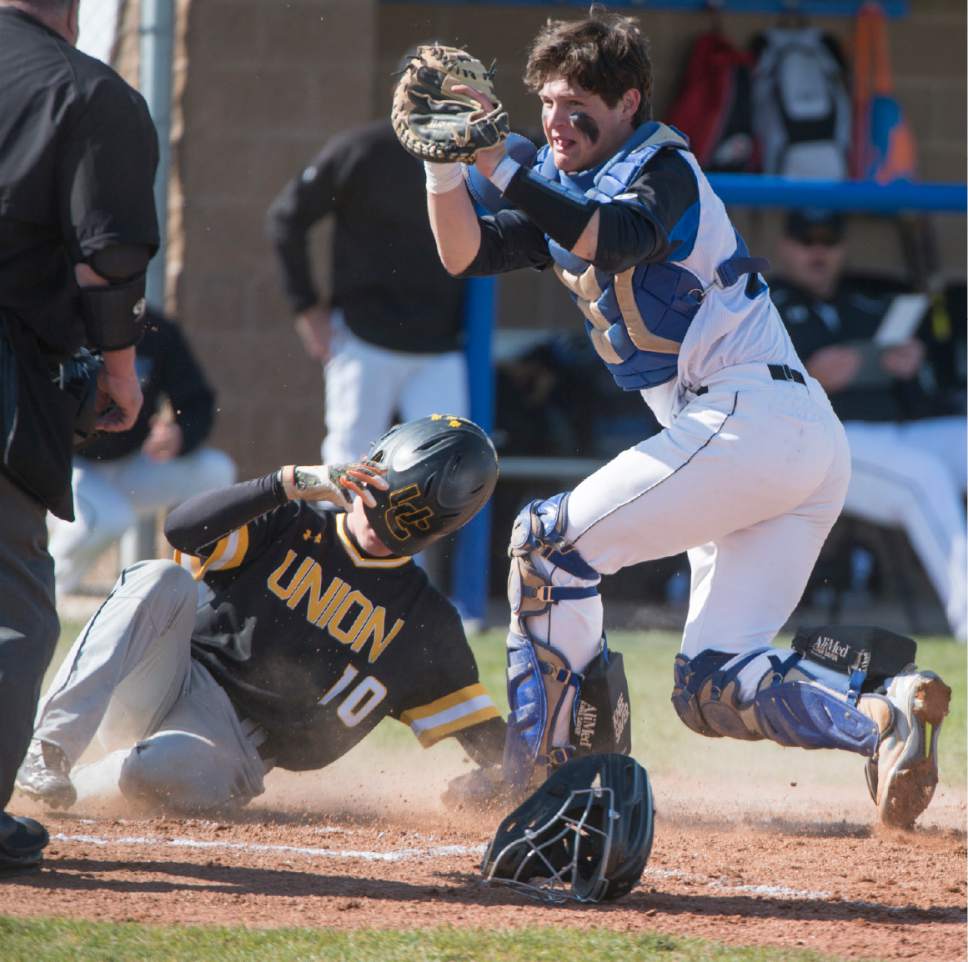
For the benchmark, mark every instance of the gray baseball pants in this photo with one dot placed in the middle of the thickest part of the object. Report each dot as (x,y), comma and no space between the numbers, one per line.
(167,732)
(28,623)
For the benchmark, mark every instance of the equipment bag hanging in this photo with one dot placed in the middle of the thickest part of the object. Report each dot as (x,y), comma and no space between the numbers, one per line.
(883,147)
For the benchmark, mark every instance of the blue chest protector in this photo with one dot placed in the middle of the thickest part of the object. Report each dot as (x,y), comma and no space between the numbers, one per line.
(637,319)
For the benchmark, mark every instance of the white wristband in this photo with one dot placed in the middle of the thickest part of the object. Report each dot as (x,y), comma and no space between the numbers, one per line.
(502,174)
(443,178)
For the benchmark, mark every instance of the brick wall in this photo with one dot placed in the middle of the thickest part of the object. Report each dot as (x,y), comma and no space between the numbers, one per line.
(262,83)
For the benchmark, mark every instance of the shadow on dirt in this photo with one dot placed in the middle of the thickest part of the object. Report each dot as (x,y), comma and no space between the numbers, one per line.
(454,888)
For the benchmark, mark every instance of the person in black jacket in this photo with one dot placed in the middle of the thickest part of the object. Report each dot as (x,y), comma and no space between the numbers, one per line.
(390,333)
(162,460)
(312,625)
(77,229)
(908,448)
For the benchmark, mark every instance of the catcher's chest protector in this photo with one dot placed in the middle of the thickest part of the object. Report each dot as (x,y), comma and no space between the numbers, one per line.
(638,319)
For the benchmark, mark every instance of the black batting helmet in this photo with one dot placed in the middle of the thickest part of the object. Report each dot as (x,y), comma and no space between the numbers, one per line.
(585,834)
(440,470)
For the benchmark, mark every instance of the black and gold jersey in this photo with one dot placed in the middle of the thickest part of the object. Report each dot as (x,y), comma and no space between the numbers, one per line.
(316,642)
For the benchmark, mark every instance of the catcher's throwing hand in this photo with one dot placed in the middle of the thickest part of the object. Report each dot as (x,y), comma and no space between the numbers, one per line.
(435,114)
(334,482)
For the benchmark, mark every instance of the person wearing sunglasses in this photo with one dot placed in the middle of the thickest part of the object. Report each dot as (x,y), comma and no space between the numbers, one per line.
(908,450)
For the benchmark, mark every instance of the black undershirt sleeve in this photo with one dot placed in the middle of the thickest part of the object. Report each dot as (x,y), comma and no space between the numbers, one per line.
(561,213)
(509,242)
(626,237)
(205,518)
(628,233)
(484,742)
(662,195)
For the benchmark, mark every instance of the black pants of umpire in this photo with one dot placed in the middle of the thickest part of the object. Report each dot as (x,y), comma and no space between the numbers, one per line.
(28,623)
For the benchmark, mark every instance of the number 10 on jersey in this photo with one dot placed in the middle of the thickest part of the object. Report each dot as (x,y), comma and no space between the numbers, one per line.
(361,699)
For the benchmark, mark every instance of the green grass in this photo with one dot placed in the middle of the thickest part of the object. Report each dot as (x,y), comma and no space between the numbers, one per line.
(64,941)
(660,741)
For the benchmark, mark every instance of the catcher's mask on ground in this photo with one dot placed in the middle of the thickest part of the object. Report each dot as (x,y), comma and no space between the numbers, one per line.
(441,470)
(585,834)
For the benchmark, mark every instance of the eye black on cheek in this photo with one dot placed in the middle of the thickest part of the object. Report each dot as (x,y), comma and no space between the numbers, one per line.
(585,125)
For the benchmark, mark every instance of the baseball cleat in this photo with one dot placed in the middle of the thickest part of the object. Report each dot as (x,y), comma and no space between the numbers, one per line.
(45,776)
(903,773)
(22,842)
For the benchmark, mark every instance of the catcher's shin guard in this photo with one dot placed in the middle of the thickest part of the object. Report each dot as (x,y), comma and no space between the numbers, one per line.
(540,676)
(806,698)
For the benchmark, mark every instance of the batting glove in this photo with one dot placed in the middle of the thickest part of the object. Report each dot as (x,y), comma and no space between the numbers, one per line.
(333,482)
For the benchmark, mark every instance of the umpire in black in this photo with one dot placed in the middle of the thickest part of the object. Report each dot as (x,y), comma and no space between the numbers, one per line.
(78,154)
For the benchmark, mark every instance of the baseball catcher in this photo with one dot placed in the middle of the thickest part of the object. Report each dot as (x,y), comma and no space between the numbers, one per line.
(291,621)
(747,475)
(435,115)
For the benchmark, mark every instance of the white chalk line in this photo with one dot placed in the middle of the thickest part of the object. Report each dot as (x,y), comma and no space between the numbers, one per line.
(397,855)
(405,854)
(776,891)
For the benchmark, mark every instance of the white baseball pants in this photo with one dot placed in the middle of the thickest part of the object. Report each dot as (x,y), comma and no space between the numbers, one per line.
(748,479)
(366,385)
(130,686)
(110,496)
(912,475)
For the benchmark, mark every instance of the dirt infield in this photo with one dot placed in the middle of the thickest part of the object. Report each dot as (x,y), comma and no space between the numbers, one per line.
(323,851)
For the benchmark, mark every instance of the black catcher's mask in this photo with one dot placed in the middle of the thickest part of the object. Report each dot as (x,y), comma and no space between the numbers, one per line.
(441,470)
(585,834)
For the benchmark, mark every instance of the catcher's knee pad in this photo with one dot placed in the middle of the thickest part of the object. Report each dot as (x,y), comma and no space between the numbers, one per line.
(540,676)
(798,701)
(706,697)
(539,532)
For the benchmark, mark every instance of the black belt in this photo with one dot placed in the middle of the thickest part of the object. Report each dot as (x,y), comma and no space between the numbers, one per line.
(779,372)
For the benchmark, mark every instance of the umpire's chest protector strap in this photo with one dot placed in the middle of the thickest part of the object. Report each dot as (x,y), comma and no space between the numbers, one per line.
(114,315)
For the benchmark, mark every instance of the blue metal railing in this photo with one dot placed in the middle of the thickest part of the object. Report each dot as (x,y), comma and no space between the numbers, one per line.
(815,8)
(472,555)
(766,190)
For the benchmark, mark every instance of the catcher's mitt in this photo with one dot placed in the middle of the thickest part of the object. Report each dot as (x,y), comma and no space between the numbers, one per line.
(432,121)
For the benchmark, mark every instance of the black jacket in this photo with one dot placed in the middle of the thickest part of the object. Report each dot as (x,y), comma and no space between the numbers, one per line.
(387,277)
(77,165)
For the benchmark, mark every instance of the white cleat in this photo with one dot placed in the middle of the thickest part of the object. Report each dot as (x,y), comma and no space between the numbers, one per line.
(903,774)
(44,776)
